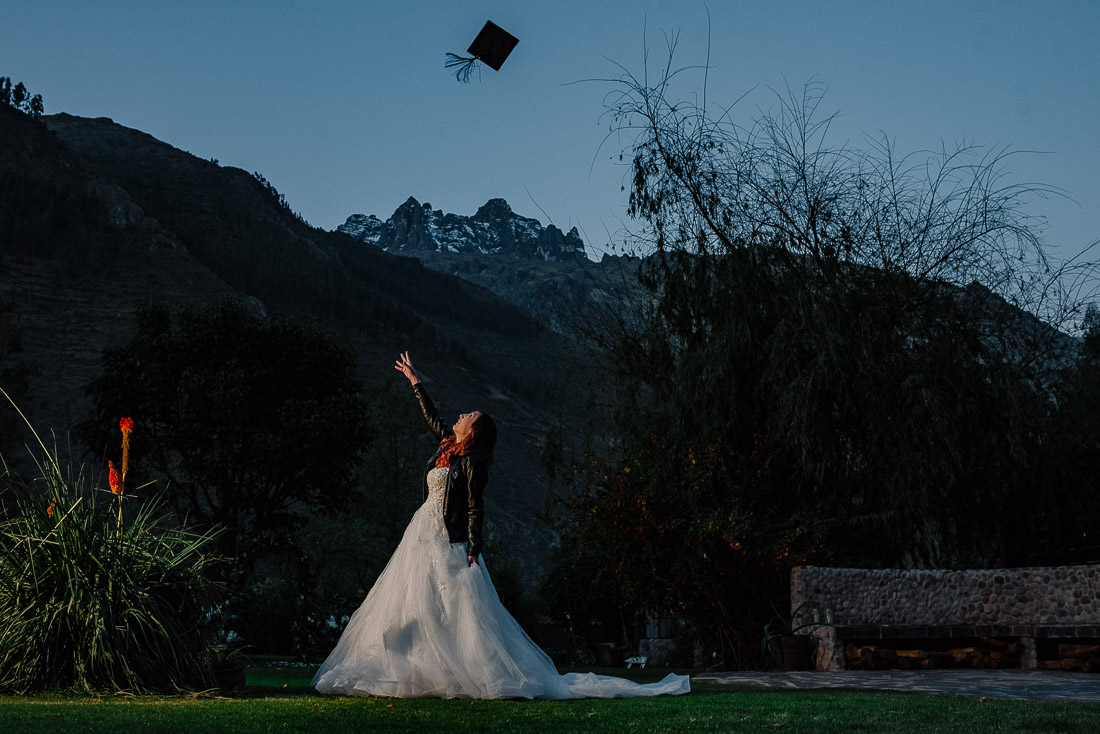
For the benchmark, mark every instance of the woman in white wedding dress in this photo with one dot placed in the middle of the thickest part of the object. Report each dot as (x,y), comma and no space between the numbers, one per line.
(433,625)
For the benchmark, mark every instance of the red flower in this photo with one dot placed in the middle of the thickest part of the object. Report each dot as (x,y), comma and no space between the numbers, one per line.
(126,425)
(112,477)
(49,510)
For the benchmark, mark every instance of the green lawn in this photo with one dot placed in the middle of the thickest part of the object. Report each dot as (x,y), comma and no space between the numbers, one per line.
(279,699)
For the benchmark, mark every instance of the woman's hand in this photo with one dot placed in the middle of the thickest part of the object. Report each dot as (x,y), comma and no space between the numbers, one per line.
(471,561)
(405,366)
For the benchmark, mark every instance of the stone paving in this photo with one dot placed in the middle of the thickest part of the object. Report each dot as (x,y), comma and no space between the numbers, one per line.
(1003,684)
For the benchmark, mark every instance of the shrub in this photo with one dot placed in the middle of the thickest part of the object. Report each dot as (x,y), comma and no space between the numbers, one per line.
(89,603)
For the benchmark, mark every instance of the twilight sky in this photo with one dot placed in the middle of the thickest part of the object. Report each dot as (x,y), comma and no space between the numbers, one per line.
(346,107)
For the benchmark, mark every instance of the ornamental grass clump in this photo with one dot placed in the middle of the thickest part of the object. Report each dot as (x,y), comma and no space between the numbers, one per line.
(90,604)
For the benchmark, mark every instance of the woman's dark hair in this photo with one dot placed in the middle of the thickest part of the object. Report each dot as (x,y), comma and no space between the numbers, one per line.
(483,437)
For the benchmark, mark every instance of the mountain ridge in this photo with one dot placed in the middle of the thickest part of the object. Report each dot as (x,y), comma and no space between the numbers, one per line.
(416,228)
(101,218)
(540,269)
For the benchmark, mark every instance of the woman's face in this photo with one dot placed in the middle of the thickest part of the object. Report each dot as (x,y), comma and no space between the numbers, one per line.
(464,424)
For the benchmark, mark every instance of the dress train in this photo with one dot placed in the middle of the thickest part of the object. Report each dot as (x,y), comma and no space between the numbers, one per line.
(434,627)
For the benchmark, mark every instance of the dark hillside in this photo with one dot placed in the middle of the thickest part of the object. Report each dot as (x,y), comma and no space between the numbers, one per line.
(97,219)
(240,228)
(77,255)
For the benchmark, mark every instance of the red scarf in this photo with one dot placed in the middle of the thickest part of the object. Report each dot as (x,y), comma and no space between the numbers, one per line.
(448,448)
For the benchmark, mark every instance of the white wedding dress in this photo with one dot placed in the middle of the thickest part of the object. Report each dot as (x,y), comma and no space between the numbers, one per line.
(433,626)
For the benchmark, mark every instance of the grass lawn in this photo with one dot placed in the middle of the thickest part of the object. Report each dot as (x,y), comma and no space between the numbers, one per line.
(279,699)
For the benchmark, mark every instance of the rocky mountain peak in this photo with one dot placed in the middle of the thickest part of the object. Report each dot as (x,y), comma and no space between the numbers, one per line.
(493,209)
(415,228)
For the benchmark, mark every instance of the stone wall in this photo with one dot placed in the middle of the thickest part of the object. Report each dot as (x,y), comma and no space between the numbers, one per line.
(1059,595)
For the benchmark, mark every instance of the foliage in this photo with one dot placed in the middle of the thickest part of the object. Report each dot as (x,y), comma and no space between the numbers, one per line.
(276,196)
(225,657)
(579,587)
(255,423)
(345,551)
(252,420)
(19,98)
(785,625)
(15,372)
(392,488)
(91,605)
(856,303)
(687,538)
(261,426)
(1065,523)
(843,359)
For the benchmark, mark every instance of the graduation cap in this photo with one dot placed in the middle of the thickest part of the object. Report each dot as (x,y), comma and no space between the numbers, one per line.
(492,46)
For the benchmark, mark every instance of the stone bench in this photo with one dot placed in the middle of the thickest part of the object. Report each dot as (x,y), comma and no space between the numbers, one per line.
(1026,604)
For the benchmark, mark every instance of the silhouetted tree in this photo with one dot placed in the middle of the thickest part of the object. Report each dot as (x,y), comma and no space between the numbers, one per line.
(846,356)
(19,98)
(248,422)
(1065,523)
(278,198)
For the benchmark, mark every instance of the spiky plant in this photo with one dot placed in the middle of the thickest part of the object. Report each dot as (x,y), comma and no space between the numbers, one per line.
(89,605)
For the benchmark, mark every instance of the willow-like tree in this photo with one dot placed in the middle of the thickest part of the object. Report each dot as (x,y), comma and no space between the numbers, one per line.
(846,356)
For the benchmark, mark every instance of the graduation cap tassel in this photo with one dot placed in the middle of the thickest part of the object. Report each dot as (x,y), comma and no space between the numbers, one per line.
(463,66)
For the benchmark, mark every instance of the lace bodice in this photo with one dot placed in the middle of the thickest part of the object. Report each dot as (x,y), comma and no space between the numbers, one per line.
(437,486)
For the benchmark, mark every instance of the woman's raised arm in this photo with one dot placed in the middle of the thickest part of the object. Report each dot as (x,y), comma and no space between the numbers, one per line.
(405,366)
(427,407)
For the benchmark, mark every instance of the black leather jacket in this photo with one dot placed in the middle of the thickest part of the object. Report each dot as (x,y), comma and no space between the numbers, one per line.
(462,503)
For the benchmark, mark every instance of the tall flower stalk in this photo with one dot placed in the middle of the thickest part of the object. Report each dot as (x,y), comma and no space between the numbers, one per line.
(116,479)
(126,425)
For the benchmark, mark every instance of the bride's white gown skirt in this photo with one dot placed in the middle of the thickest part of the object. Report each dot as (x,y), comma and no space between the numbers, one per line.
(431,626)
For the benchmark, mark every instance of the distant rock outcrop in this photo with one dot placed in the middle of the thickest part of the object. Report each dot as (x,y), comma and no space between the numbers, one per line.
(541,269)
(494,229)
